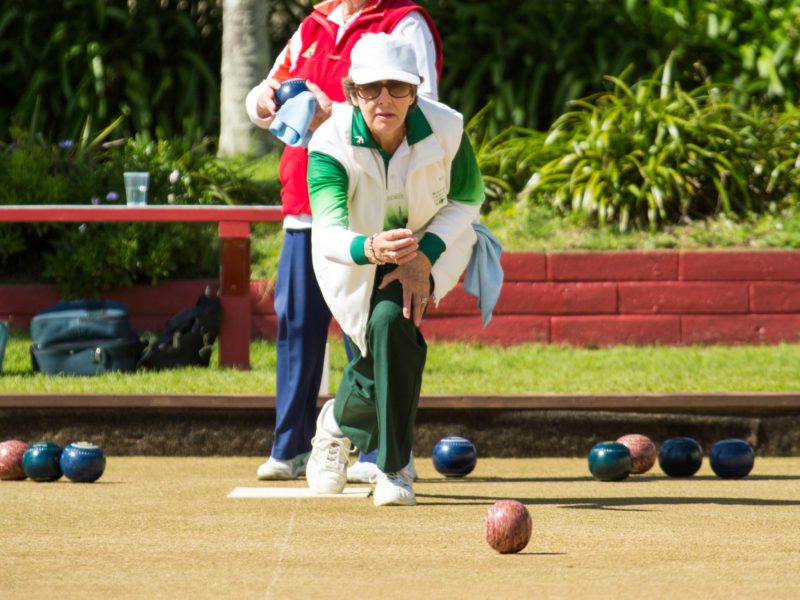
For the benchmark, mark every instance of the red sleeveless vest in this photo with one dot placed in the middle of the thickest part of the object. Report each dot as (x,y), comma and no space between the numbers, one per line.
(326,63)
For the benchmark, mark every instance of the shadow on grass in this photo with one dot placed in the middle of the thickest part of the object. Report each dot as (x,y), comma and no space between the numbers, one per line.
(64,481)
(623,504)
(535,554)
(631,479)
(748,478)
(466,480)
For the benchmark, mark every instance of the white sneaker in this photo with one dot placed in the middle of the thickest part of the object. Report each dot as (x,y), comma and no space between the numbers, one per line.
(326,471)
(412,470)
(367,472)
(283,469)
(362,472)
(394,489)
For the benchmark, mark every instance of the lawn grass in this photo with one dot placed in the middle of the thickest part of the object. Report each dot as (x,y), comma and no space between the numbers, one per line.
(538,228)
(460,368)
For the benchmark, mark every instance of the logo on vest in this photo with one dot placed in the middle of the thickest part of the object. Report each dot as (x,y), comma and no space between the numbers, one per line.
(309,51)
(439,197)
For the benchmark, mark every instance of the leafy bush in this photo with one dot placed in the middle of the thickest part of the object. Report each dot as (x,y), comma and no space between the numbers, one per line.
(531,58)
(87,259)
(74,63)
(752,44)
(651,154)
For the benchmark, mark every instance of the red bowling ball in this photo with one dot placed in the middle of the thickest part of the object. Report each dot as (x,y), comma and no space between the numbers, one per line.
(508,526)
(643,452)
(11,453)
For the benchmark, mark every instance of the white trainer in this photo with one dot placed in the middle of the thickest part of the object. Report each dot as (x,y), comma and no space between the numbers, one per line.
(275,469)
(326,471)
(412,470)
(367,472)
(394,489)
(362,472)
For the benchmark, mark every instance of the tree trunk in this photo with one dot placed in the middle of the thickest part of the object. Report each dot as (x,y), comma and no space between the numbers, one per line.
(245,56)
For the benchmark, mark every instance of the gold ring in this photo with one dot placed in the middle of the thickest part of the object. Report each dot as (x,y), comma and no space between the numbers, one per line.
(424,301)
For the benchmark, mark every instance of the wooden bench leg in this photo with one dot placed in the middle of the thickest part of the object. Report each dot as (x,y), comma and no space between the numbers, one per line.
(234,279)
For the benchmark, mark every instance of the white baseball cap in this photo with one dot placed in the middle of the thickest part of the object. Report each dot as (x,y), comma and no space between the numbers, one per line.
(381,57)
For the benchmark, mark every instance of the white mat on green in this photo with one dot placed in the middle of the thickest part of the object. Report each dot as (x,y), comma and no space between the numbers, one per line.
(295,492)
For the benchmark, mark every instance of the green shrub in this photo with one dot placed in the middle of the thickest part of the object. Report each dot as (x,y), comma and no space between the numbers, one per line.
(531,58)
(158,61)
(155,61)
(651,154)
(754,45)
(86,259)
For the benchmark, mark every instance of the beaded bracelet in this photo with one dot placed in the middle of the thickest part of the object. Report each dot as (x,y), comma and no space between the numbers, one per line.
(374,258)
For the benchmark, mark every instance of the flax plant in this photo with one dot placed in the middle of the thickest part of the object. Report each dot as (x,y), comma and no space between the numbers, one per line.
(653,153)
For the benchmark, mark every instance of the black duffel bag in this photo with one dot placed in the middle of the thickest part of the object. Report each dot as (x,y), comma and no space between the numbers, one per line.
(84,337)
(187,338)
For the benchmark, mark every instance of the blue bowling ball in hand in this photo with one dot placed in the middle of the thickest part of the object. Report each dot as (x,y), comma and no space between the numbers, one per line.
(288,90)
(454,456)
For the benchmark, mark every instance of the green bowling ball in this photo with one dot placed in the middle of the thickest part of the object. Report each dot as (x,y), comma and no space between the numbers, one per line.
(610,461)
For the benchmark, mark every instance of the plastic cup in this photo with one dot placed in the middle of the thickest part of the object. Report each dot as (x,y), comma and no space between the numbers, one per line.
(136,183)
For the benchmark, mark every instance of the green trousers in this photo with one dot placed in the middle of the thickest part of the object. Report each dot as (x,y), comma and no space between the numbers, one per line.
(376,402)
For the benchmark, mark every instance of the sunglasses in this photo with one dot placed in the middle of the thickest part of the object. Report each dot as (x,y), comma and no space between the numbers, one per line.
(396,89)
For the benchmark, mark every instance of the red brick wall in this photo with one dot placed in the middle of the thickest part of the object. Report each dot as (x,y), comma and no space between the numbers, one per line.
(591,298)
(661,297)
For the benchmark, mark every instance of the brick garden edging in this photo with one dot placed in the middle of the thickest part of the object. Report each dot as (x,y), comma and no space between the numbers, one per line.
(658,297)
(581,298)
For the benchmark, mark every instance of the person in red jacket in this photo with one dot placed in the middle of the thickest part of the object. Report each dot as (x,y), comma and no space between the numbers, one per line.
(319,52)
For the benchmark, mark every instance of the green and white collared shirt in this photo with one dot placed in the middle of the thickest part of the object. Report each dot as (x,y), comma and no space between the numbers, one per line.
(328,183)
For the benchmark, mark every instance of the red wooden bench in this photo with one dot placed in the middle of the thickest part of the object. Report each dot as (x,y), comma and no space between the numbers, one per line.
(234,262)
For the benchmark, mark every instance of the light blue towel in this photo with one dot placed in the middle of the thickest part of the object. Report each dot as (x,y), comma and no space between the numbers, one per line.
(291,123)
(484,276)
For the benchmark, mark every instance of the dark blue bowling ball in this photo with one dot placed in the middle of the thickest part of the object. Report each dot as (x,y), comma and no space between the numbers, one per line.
(680,457)
(610,461)
(288,90)
(454,456)
(732,459)
(41,461)
(83,462)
